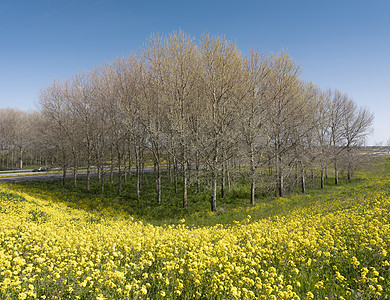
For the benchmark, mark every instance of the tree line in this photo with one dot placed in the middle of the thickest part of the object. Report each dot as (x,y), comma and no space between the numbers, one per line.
(200,111)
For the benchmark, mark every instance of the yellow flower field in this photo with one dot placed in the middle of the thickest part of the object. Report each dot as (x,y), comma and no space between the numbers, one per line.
(336,246)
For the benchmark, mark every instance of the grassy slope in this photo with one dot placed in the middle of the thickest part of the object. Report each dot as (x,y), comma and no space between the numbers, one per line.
(331,243)
(171,211)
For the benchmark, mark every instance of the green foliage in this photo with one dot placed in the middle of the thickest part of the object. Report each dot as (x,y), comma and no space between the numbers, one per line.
(38,216)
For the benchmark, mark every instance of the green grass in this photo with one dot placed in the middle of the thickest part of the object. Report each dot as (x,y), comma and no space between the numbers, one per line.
(234,207)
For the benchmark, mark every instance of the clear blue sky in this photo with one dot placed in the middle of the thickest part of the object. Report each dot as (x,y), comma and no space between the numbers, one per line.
(339,44)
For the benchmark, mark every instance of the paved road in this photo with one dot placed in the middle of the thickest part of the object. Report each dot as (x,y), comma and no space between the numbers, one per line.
(13,176)
(20,177)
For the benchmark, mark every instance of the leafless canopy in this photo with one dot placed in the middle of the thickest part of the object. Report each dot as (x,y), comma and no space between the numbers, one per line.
(180,105)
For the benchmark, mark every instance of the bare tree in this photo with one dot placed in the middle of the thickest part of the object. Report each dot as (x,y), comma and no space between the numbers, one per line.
(57,129)
(207,104)
(356,125)
(15,135)
(82,102)
(174,63)
(101,94)
(303,141)
(252,120)
(221,75)
(129,78)
(153,108)
(322,133)
(283,112)
(337,111)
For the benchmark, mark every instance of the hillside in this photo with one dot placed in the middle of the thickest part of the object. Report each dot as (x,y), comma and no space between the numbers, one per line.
(323,245)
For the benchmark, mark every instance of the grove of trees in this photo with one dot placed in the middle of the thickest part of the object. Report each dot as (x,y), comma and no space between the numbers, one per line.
(203,113)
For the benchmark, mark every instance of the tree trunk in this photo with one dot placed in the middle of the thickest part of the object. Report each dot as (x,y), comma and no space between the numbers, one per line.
(281,184)
(279,176)
(142,164)
(138,172)
(98,170)
(175,171)
(322,177)
(130,164)
(296,175)
(252,169)
(207,179)
(138,187)
(253,188)
(75,167)
(349,171)
(21,159)
(64,169)
(229,179)
(197,172)
(223,180)
(64,175)
(270,169)
(189,168)
(75,176)
(169,169)
(88,174)
(312,176)
(158,183)
(112,167)
(303,179)
(214,190)
(184,166)
(102,179)
(336,173)
(119,173)
(125,171)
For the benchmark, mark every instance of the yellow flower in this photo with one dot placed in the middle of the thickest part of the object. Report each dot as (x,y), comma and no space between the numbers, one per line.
(144,290)
(100,297)
(355,261)
(22,296)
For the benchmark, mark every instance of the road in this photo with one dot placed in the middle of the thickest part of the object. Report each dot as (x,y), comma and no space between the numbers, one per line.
(20,177)
(28,175)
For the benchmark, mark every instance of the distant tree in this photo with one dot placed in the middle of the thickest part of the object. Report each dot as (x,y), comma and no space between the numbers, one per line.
(337,112)
(356,125)
(15,127)
(322,133)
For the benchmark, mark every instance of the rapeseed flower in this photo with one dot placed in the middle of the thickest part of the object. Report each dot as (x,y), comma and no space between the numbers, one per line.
(304,254)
